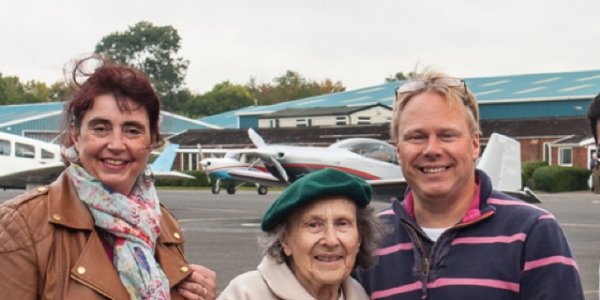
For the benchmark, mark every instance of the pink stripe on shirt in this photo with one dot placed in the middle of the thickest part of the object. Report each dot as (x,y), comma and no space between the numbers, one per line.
(386,212)
(394,248)
(538,263)
(397,290)
(506,239)
(492,283)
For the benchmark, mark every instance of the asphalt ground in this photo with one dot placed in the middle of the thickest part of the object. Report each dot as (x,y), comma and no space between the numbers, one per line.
(221,230)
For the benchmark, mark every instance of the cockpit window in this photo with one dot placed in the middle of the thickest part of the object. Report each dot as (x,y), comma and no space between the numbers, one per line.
(24,150)
(4,147)
(47,154)
(370,148)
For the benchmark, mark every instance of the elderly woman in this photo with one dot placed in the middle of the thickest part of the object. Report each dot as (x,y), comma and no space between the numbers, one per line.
(98,231)
(316,232)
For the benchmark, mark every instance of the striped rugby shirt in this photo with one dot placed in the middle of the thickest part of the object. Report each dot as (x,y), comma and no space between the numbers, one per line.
(502,249)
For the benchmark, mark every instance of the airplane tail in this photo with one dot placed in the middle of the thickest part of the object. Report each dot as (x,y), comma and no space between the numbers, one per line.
(161,167)
(501,161)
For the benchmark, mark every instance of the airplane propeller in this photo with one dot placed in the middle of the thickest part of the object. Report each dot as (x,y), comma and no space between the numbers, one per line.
(203,163)
(256,139)
(259,142)
(280,169)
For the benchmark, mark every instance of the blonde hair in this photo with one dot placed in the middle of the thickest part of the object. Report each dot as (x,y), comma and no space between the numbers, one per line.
(459,95)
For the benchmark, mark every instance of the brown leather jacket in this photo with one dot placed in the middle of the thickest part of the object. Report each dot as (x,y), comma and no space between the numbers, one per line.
(49,249)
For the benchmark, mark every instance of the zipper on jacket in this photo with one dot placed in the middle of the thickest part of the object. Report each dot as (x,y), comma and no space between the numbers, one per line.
(426,265)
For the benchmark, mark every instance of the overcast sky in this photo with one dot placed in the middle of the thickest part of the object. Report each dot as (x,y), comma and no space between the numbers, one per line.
(356,42)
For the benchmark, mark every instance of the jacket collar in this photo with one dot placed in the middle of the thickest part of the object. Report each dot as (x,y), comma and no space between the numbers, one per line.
(283,283)
(64,206)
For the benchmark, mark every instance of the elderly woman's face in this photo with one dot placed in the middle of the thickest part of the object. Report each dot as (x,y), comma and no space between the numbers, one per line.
(113,145)
(322,242)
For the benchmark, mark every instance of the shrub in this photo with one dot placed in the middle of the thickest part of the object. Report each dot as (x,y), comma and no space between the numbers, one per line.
(527,169)
(560,179)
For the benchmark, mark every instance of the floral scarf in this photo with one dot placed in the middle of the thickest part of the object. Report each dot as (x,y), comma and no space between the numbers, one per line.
(134,225)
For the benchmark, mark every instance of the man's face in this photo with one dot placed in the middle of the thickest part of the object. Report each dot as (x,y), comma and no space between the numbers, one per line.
(436,148)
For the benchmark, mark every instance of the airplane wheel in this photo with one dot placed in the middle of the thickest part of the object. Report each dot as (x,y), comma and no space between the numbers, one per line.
(262,190)
(215,189)
(231,190)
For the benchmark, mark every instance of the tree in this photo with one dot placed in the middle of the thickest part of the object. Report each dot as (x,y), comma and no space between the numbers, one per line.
(224,96)
(12,91)
(60,91)
(290,86)
(152,50)
(399,77)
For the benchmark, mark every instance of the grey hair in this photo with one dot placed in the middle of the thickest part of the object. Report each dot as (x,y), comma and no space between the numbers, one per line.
(370,231)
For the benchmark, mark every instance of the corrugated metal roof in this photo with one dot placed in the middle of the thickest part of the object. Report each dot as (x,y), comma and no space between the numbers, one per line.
(13,114)
(17,119)
(488,90)
(319,111)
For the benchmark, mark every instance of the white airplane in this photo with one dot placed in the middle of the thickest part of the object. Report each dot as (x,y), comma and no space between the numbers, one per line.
(219,168)
(30,162)
(376,162)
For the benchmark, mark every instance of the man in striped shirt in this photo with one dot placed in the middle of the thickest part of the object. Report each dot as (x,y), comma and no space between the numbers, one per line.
(453,237)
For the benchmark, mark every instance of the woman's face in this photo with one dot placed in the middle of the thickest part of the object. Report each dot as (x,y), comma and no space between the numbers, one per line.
(113,145)
(322,242)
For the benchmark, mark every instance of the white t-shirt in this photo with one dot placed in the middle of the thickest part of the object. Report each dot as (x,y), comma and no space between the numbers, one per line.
(434,233)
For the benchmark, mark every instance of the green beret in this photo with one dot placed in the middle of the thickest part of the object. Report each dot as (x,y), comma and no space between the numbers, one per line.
(322,183)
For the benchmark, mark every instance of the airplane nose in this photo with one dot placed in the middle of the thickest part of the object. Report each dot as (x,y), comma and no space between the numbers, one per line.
(204,163)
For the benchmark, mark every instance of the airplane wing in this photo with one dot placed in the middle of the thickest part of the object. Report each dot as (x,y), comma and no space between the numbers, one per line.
(38,175)
(171,175)
(386,189)
(259,177)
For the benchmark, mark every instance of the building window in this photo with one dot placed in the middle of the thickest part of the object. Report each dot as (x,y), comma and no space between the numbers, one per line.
(340,121)
(4,147)
(303,122)
(274,123)
(364,120)
(24,150)
(189,161)
(565,156)
(547,153)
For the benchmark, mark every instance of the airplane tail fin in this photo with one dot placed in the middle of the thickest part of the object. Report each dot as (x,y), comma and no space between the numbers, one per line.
(161,167)
(501,160)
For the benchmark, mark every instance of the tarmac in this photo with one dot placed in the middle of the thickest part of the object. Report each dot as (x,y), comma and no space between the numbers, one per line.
(221,230)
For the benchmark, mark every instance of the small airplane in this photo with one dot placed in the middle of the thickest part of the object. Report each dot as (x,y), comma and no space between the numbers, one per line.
(29,162)
(375,161)
(219,168)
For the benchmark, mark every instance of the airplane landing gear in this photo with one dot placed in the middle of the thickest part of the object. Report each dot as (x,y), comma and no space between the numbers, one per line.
(215,189)
(262,190)
(231,189)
